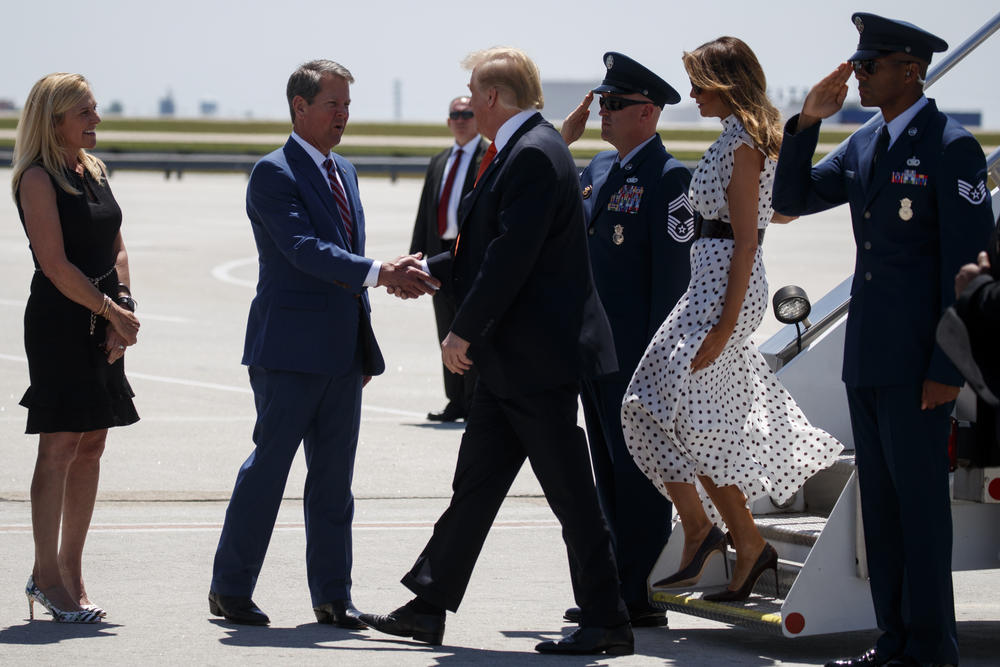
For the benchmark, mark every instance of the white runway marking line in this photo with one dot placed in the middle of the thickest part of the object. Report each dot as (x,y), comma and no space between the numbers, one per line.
(223,272)
(195,527)
(225,387)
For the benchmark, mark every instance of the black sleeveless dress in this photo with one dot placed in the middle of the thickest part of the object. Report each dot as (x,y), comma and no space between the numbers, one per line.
(73,388)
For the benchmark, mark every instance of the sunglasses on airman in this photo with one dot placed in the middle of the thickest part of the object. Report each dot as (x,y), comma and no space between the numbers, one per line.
(464,115)
(618,103)
(871,66)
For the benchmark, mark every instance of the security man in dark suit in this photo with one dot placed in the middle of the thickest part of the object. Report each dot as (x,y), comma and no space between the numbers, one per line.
(450,176)
(640,227)
(920,209)
(530,318)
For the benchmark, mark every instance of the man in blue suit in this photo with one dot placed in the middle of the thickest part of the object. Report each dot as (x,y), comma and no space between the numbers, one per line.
(309,350)
(639,228)
(917,191)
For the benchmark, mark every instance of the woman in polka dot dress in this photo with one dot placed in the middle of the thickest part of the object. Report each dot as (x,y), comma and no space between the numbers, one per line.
(704,412)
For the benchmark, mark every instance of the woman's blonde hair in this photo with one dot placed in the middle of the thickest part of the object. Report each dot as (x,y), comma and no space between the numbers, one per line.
(38,142)
(729,68)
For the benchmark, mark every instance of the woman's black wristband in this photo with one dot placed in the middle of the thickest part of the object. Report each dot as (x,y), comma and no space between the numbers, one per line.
(126,302)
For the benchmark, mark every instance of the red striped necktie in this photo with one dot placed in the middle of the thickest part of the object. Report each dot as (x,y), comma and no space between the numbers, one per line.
(338,194)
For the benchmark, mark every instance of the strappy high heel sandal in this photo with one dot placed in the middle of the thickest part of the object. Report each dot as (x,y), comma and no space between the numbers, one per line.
(34,593)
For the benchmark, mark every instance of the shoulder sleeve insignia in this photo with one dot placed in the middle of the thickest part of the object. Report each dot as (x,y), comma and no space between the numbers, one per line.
(974,194)
(680,219)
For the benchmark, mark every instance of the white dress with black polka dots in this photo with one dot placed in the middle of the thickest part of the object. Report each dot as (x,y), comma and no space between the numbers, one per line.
(732,421)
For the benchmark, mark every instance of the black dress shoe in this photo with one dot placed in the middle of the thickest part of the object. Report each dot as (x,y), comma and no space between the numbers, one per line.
(644,617)
(867,659)
(341,613)
(404,622)
(647,617)
(236,609)
(450,413)
(591,640)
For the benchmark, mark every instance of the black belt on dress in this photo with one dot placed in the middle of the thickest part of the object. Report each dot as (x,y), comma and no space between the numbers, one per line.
(716,229)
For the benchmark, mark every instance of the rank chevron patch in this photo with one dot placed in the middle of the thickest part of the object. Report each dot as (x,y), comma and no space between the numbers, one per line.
(680,219)
(974,194)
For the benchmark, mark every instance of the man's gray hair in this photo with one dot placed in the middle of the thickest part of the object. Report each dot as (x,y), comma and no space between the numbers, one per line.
(305,81)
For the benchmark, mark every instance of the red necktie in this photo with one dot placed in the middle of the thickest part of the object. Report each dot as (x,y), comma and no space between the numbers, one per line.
(446,194)
(338,194)
(490,154)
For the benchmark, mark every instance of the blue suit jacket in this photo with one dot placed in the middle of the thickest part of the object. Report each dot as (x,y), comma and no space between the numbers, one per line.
(639,227)
(920,217)
(311,311)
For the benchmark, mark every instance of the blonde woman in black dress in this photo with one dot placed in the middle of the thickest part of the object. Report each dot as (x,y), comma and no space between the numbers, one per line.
(77,324)
(703,413)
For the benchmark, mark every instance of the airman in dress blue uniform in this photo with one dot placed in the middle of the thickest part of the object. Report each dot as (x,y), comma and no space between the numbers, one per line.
(920,210)
(640,227)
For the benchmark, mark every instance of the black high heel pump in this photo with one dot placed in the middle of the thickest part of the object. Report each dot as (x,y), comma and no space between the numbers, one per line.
(768,560)
(714,541)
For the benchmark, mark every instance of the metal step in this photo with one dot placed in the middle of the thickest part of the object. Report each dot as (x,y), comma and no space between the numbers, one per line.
(757,613)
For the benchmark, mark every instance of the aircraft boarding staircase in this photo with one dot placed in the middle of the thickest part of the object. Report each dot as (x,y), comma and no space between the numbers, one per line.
(823,582)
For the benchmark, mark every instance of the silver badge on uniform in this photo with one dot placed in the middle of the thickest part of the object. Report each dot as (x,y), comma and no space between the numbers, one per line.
(859,24)
(587,190)
(609,61)
(913,162)
(619,236)
(631,179)
(905,209)
(912,131)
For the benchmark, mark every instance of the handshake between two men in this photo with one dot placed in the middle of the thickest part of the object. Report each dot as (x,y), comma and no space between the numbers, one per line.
(406,278)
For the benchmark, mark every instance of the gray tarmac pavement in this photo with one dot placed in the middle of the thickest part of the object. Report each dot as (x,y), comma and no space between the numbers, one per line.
(165,480)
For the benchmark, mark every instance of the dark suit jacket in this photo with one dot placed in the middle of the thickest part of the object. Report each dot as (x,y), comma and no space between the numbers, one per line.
(425,234)
(311,311)
(923,214)
(521,271)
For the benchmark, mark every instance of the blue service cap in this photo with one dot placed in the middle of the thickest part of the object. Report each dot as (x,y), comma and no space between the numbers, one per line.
(879,35)
(626,76)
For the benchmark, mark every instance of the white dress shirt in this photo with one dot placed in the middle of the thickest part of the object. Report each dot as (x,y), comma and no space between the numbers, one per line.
(371,280)
(455,198)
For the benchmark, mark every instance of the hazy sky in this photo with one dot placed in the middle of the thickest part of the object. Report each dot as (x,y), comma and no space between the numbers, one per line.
(241,53)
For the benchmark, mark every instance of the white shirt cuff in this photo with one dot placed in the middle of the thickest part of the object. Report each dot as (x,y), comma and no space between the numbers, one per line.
(372,279)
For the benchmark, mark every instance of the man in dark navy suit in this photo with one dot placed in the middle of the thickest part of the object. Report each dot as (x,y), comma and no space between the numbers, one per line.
(530,319)
(450,176)
(309,351)
(917,191)
(640,227)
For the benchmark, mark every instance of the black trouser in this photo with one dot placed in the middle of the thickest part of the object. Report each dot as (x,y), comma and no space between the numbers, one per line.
(902,457)
(499,435)
(637,513)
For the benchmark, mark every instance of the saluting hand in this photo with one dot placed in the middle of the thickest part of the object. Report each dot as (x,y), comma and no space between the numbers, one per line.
(576,121)
(826,97)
